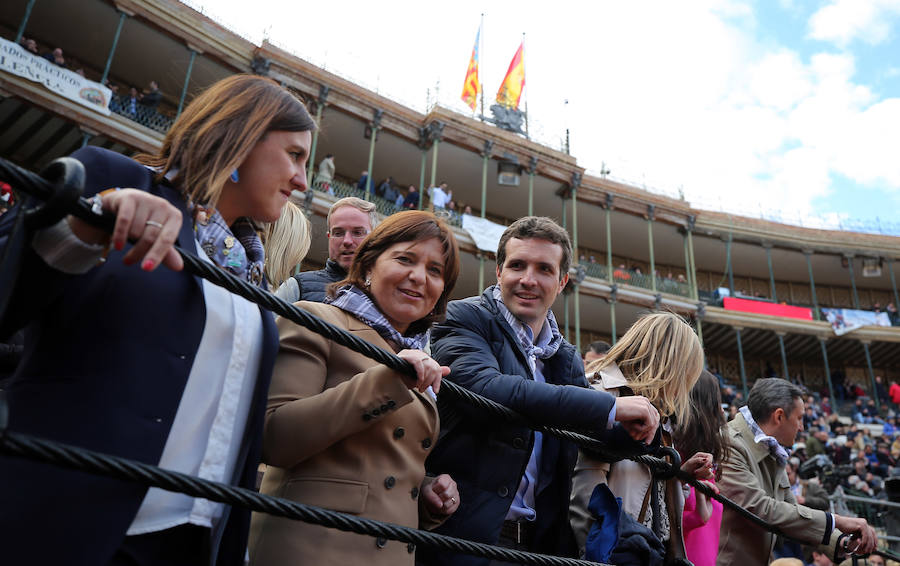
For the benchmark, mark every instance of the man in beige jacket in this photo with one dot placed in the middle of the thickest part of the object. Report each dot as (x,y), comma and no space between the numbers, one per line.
(754,477)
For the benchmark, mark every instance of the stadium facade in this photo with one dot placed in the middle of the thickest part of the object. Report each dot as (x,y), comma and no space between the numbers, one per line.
(640,250)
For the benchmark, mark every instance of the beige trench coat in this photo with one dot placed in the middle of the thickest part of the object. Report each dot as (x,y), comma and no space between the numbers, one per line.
(346,434)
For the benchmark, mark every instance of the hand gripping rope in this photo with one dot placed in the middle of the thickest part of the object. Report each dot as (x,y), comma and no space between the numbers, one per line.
(61,191)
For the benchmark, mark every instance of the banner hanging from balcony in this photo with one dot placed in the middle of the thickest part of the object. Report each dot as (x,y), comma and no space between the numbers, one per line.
(14,59)
(484,233)
(846,320)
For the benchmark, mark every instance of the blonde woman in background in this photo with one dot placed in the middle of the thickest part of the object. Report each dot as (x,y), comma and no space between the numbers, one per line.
(660,358)
(286,242)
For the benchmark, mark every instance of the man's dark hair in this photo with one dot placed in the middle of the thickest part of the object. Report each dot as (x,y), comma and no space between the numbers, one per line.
(599,347)
(772,393)
(538,227)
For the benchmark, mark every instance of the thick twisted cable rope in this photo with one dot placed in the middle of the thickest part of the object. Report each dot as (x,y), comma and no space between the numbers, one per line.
(75,458)
(37,186)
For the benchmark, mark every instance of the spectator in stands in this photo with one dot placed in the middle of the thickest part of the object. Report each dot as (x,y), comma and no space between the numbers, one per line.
(754,475)
(816,443)
(363,181)
(399,200)
(398,284)
(412,198)
(382,186)
(152,97)
(659,357)
(388,192)
(286,242)
(349,221)
(30,45)
(894,393)
(467,210)
(451,208)
(56,57)
(325,174)
(595,351)
(215,350)
(880,389)
(440,195)
(893,315)
(706,432)
(129,104)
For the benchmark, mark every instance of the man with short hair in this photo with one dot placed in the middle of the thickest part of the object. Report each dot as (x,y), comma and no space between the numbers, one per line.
(514,483)
(349,221)
(440,195)
(153,97)
(754,477)
(596,351)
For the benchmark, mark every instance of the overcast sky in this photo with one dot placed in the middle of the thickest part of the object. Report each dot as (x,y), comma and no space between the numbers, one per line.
(789,107)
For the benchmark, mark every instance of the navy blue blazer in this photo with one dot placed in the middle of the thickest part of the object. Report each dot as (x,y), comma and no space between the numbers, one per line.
(107,356)
(487,457)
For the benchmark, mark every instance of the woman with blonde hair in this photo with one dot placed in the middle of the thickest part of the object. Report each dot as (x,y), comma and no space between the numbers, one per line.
(152,364)
(348,434)
(286,242)
(660,358)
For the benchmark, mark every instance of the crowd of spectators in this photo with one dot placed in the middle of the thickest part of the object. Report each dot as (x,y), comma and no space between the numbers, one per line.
(139,105)
(861,443)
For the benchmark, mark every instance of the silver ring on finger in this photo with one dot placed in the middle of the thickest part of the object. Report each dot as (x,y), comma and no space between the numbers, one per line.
(154,223)
(453,500)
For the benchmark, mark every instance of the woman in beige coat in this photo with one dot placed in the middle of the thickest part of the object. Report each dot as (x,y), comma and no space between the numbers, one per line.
(660,358)
(350,435)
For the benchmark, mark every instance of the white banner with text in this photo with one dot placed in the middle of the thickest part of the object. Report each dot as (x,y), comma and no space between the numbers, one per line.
(16,60)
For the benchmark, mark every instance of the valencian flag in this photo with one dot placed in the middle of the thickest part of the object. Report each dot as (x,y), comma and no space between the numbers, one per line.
(511,88)
(471,86)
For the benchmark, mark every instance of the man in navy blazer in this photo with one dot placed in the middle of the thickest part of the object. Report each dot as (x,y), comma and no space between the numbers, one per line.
(71,387)
(505,345)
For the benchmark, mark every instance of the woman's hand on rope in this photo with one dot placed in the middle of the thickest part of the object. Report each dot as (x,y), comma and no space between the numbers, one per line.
(150,220)
(428,371)
(441,495)
(700,465)
(638,416)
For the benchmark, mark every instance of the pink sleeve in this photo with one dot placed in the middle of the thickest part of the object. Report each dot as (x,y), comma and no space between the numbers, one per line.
(691,519)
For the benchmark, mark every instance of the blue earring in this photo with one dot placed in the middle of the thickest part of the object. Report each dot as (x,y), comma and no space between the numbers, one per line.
(234,176)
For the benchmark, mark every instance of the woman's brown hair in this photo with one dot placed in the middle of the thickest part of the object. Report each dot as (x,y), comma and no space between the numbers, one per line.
(409,226)
(705,432)
(217,130)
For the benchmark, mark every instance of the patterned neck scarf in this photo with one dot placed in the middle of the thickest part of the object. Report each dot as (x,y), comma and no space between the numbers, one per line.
(549,339)
(351,299)
(237,249)
(776,450)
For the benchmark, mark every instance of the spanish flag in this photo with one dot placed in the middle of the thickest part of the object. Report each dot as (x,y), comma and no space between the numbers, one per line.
(471,86)
(511,88)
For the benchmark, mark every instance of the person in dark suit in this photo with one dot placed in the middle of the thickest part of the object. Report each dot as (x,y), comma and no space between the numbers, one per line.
(505,345)
(347,434)
(152,364)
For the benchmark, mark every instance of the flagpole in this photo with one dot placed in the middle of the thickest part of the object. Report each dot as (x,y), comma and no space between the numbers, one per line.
(525,74)
(480,62)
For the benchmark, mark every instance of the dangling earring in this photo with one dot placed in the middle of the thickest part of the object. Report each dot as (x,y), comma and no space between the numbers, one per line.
(234,176)
(368,282)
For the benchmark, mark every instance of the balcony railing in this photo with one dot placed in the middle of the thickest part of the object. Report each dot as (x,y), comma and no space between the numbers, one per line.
(663,285)
(382,205)
(143,115)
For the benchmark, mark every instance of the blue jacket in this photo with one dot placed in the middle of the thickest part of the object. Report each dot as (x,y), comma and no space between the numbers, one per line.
(107,356)
(487,457)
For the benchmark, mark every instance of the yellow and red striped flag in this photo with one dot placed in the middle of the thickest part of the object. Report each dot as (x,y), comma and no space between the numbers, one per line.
(514,82)
(472,86)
